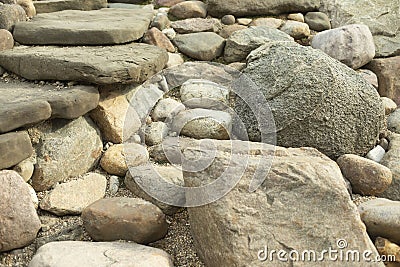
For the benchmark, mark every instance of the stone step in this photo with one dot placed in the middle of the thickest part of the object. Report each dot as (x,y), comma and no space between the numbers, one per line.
(48,6)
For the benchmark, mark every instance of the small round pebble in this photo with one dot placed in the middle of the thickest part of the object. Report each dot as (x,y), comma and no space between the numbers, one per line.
(228,20)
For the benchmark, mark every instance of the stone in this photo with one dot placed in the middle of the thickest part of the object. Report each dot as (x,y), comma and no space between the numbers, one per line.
(6,40)
(155,37)
(19,222)
(393,121)
(296,17)
(228,30)
(161,21)
(48,6)
(155,133)
(11,15)
(389,81)
(197,25)
(202,46)
(174,59)
(384,143)
(188,9)
(317,21)
(381,217)
(24,103)
(131,6)
(99,254)
(219,8)
(369,76)
(388,249)
(244,21)
(14,148)
(392,161)
(389,105)
(25,169)
(267,22)
(132,63)
(383,21)
(130,219)
(287,212)
(297,30)
(76,27)
(166,108)
(367,177)
(203,124)
(170,33)
(34,197)
(204,94)
(113,184)
(241,43)
(65,148)
(301,82)
(352,45)
(237,65)
(228,19)
(167,3)
(28,6)
(376,154)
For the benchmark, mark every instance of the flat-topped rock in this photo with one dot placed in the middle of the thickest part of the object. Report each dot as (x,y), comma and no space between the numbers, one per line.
(132,63)
(48,6)
(22,103)
(74,27)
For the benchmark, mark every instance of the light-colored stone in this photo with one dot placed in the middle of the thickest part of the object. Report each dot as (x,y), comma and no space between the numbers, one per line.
(228,30)
(188,9)
(167,3)
(389,105)
(170,33)
(28,6)
(47,6)
(393,121)
(376,154)
(155,133)
(297,30)
(174,59)
(267,22)
(392,161)
(14,148)
(155,37)
(113,184)
(369,76)
(34,198)
(161,21)
(6,40)
(166,108)
(244,21)
(317,21)
(296,16)
(25,169)
(197,25)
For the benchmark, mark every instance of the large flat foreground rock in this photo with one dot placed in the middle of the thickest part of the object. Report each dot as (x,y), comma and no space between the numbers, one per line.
(48,6)
(132,63)
(74,27)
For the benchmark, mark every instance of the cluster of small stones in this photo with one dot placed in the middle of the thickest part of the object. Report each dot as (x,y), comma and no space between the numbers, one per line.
(83,122)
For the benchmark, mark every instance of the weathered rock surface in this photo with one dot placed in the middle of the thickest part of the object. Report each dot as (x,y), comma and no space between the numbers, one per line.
(166,108)
(19,222)
(296,29)
(155,133)
(392,161)
(10,15)
(188,9)
(14,148)
(388,249)
(28,6)
(132,63)
(267,22)
(393,121)
(155,37)
(6,40)
(47,6)
(317,21)
(197,25)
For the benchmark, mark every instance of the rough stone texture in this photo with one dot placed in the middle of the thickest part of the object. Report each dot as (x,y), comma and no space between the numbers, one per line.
(197,25)
(145,173)
(352,45)
(381,216)
(296,29)
(6,40)
(155,37)
(317,21)
(155,133)
(23,103)
(25,169)
(314,100)
(201,46)
(161,21)
(393,121)
(389,105)
(383,21)
(296,17)
(392,161)
(65,149)
(167,3)
(295,208)
(99,254)
(14,148)
(366,176)
(75,27)
(267,22)
(131,219)
(174,59)
(188,9)
(132,63)
(48,6)
(389,81)
(388,249)
(254,7)
(28,6)
(11,15)
(369,76)
(72,197)
(228,19)
(241,43)
(19,222)
(166,108)
(228,30)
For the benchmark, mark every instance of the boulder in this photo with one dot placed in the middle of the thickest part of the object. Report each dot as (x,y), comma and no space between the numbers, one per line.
(11,15)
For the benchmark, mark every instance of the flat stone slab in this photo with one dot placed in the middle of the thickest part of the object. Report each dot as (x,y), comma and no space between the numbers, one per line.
(132,63)
(23,104)
(74,27)
(49,6)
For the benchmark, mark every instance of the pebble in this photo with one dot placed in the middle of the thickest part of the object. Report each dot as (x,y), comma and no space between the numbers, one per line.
(228,20)
(155,37)
(393,121)
(25,168)
(155,133)
(244,21)
(267,22)
(188,9)
(113,184)
(174,59)
(376,154)
(166,108)
(297,30)
(296,17)
(6,40)
(161,21)
(318,21)
(389,105)
(170,33)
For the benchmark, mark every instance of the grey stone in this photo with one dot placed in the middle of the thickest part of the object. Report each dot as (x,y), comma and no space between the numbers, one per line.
(392,161)
(376,154)
(317,21)
(76,27)
(296,29)
(228,19)
(393,121)
(174,59)
(130,6)
(113,184)
(19,222)
(48,6)
(11,15)
(389,105)
(132,63)
(166,108)
(161,21)
(201,46)
(188,9)
(25,169)
(228,30)
(74,232)
(155,37)
(369,76)
(267,22)
(99,254)
(155,133)
(14,148)
(6,40)
(197,25)
(65,149)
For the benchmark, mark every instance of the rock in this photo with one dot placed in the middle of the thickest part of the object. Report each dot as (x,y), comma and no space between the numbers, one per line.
(228,30)
(392,161)
(317,21)
(203,124)
(384,143)
(72,197)
(76,27)
(267,22)
(19,222)
(14,148)
(201,46)
(219,8)
(166,108)
(297,30)
(369,76)
(155,133)
(11,15)
(389,82)
(174,60)
(34,197)
(383,21)
(99,254)
(366,176)
(167,3)
(149,7)
(381,217)
(161,22)
(188,9)
(302,93)
(170,33)
(48,6)
(286,212)
(237,65)
(28,6)
(352,45)
(25,169)
(133,2)
(131,219)
(296,17)
(145,175)
(87,64)
(389,105)
(393,121)
(65,149)
(241,43)
(155,37)
(388,249)
(244,21)
(376,154)
(197,25)
(204,94)
(6,40)
(74,232)
(113,184)
(228,19)
(25,103)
